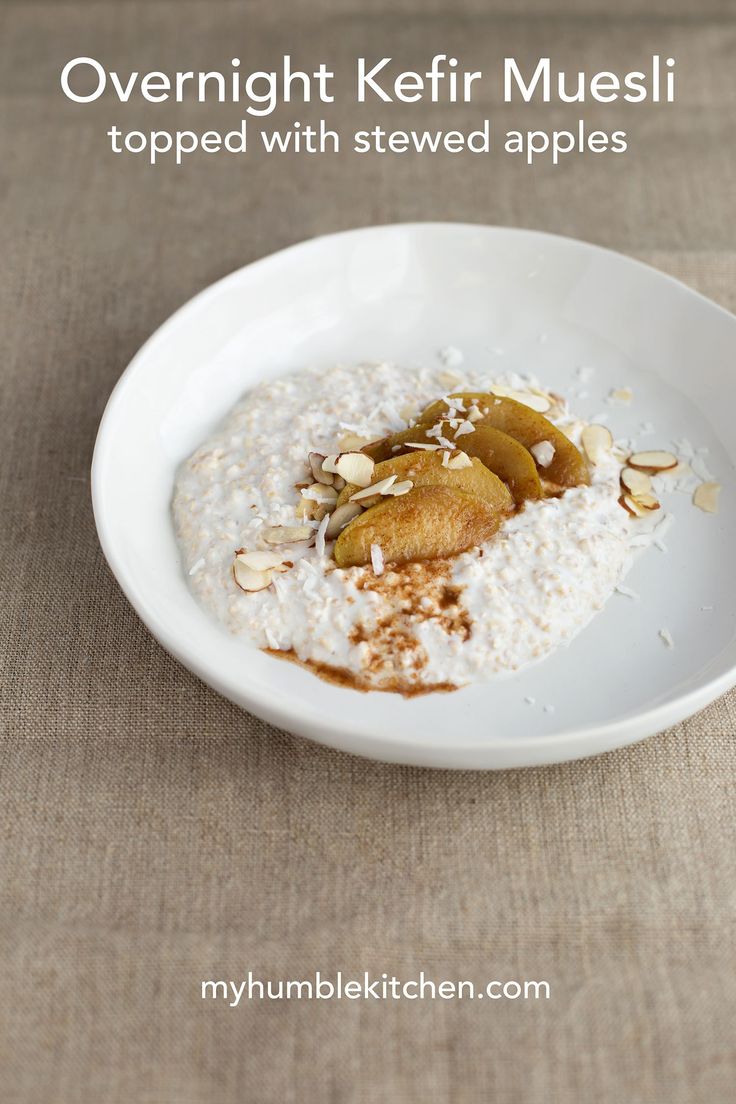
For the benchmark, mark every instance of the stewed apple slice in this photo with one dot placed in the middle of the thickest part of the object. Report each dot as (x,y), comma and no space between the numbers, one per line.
(397,443)
(425,469)
(428,523)
(500,453)
(568,468)
(505,457)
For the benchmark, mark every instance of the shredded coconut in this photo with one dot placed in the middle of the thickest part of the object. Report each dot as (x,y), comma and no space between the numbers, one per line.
(536,584)
(377,559)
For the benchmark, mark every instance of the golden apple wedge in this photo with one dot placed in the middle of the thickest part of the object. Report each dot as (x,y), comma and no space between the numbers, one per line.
(568,468)
(425,469)
(428,523)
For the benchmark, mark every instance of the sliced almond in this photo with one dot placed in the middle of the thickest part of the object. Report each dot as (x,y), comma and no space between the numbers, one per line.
(570,430)
(706,496)
(646,501)
(350,441)
(554,399)
(401,488)
(631,505)
(621,394)
(355,467)
(379,488)
(341,517)
(597,442)
(422,445)
(338,482)
(248,579)
(538,402)
(635,482)
(329,464)
(316,460)
(653,462)
(260,561)
(320,493)
(286,534)
(457,460)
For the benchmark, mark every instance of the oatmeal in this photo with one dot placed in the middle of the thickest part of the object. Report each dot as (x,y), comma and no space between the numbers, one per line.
(409,565)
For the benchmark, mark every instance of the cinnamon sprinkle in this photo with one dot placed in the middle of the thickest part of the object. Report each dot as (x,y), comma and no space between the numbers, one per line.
(341,676)
(393,655)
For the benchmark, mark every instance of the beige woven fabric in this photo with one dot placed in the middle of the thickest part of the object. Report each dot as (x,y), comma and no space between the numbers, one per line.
(152,835)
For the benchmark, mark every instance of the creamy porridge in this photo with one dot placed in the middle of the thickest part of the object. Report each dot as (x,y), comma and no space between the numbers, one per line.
(498,573)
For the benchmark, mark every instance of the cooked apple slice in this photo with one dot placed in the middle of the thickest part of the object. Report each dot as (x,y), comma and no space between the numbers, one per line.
(425,469)
(568,468)
(505,457)
(428,523)
(397,443)
(498,451)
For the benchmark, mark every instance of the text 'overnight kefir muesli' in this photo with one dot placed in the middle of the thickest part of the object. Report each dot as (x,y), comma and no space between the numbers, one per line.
(399,529)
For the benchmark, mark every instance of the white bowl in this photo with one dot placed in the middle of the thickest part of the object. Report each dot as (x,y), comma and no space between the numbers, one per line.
(514,299)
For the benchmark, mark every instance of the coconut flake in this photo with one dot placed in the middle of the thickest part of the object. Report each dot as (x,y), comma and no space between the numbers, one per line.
(457,460)
(544,453)
(463,428)
(319,542)
(377,559)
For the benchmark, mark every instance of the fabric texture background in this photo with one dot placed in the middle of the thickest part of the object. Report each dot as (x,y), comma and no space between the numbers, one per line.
(153,835)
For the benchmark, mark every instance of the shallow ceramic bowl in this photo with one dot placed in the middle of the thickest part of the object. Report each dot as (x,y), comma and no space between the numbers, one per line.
(511,300)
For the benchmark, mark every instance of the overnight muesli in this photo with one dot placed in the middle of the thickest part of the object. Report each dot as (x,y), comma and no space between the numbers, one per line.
(409,531)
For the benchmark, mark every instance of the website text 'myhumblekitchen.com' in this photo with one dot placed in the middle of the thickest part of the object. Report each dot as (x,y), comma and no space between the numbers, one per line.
(369,987)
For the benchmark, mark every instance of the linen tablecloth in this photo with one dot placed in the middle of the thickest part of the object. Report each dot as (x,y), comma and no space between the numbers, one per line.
(153,835)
